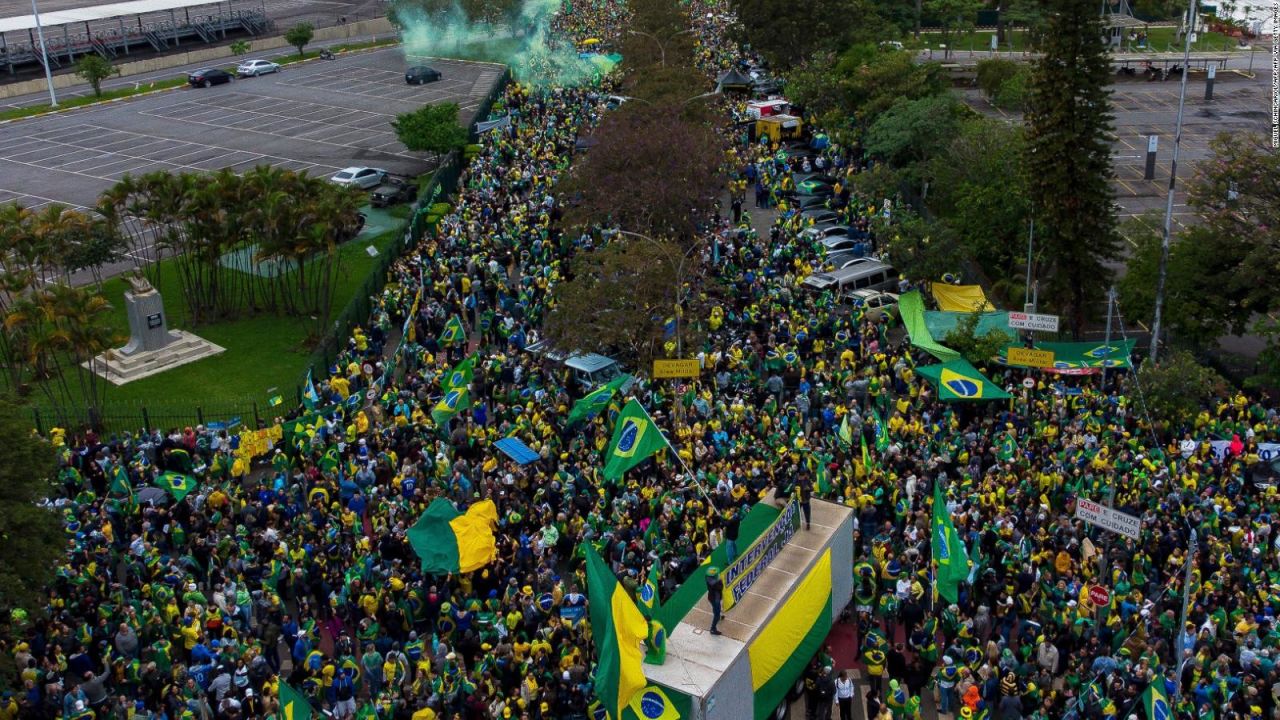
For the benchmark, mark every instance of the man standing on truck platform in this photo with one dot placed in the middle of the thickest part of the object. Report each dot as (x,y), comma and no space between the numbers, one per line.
(715,593)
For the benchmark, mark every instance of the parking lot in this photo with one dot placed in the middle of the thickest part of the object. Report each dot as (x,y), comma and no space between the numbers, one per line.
(316,117)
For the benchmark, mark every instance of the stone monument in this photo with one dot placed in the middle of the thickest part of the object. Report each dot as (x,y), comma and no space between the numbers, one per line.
(152,347)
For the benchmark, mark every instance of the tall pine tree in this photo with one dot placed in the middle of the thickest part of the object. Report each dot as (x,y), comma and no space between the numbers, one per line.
(1069,159)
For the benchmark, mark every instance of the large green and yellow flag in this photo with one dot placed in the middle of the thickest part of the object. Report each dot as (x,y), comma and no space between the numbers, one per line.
(453,332)
(454,401)
(178,484)
(293,704)
(635,438)
(948,550)
(596,401)
(460,376)
(448,541)
(618,628)
(957,380)
(1155,702)
(652,703)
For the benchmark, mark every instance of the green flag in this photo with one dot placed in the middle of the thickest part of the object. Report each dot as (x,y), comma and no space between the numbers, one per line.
(882,432)
(648,594)
(617,627)
(453,402)
(293,704)
(310,397)
(635,438)
(596,401)
(1155,702)
(846,432)
(177,484)
(460,376)
(453,333)
(948,550)
(866,456)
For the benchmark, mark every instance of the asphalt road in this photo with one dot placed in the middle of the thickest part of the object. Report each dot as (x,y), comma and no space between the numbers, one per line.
(316,117)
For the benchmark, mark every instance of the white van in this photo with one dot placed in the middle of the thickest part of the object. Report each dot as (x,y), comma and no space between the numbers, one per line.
(863,276)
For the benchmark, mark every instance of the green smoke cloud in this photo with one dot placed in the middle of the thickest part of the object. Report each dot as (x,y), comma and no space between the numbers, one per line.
(526,44)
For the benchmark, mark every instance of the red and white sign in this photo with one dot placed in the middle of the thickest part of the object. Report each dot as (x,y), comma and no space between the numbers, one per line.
(1100,596)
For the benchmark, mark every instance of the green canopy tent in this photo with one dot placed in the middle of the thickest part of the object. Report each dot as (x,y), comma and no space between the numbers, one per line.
(957,381)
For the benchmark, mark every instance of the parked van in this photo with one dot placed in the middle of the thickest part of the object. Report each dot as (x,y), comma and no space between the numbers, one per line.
(863,276)
(590,370)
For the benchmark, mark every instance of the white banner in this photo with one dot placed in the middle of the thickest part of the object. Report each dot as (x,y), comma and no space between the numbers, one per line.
(1266,451)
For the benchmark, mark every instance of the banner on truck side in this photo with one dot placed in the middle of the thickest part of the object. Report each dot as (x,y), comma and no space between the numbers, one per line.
(739,576)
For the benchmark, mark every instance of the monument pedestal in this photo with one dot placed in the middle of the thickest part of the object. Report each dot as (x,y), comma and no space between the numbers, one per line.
(153,347)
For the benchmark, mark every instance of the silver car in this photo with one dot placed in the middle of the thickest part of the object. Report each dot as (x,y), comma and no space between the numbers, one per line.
(254,68)
(361,177)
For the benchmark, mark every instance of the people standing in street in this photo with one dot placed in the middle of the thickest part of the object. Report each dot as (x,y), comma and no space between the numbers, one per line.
(845,690)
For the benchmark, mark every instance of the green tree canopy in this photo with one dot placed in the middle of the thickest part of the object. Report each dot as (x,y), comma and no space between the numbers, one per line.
(94,69)
(299,35)
(1069,161)
(31,538)
(431,128)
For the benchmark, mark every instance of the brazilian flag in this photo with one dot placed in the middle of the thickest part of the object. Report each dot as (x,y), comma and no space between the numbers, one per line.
(453,333)
(453,402)
(460,376)
(596,401)
(178,484)
(617,628)
(293,704)
(652,703)
(635,438)
(648,594)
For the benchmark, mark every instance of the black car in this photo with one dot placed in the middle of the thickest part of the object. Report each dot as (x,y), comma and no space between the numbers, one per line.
(1265,473)
(392,191)
(420,74)
(209,76)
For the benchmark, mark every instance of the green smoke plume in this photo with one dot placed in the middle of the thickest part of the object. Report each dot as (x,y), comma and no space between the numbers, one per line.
(524,41)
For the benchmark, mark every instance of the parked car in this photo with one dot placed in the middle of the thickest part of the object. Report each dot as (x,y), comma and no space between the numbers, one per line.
(874,303)
(844,259)
(820,215)
(809,202)
(1265,473)
(839,243)
(825,230)
(815,187)
(421,74)
(254,68)
(361,177)
(205,77)
(393,191)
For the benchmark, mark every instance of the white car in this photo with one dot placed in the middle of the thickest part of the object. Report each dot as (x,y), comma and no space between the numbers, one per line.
(254,68)
(361,177)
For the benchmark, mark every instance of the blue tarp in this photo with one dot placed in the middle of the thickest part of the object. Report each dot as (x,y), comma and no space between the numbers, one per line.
(516,450)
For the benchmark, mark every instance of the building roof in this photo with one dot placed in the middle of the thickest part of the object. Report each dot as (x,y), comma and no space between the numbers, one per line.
(19,23)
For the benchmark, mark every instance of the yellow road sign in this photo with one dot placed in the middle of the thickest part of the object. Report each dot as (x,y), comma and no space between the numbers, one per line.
(1022,357)
(676,368)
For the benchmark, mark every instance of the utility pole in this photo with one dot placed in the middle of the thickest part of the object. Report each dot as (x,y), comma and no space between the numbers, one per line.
(44,55)
(1173,176)
(1182,623)
(1111,304)
(1029,305)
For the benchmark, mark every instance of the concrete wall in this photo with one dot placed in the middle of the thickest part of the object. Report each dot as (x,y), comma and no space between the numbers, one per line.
(364,30)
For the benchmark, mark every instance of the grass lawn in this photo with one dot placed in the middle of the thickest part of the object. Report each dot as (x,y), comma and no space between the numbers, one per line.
(1159,39)
(262,352)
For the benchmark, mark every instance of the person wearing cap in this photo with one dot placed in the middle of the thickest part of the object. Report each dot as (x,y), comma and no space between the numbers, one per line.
(715,595)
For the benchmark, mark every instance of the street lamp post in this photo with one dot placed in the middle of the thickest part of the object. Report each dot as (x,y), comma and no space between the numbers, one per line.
(44,55)
(662,44)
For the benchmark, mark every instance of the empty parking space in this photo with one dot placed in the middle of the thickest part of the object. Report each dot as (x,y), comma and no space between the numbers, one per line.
(316,118)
